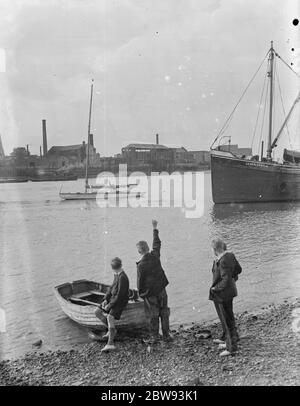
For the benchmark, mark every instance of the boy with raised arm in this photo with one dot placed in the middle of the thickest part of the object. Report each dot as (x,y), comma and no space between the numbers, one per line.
(151,284)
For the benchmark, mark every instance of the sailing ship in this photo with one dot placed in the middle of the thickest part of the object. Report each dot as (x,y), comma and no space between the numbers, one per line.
(241,179)
(93,192)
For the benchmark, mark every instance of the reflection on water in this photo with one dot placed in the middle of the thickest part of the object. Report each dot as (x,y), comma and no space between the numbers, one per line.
(44,242)
(223,211)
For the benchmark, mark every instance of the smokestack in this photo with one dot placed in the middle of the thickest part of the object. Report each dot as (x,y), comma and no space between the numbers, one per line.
(27,149)
(40,151)
(262,151)
(91,140)
(2,155)
(45,148)
(157,139)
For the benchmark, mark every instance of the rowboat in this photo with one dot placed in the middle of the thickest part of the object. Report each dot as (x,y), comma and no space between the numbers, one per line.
(79,300)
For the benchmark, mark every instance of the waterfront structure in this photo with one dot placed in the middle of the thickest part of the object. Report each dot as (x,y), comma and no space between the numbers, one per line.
(201,157)
(66,156)
(236,150)
(155,157)
(72,156)
(21,158)
(182,156)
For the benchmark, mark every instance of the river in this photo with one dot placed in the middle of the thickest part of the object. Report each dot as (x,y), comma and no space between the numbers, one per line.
(45,242)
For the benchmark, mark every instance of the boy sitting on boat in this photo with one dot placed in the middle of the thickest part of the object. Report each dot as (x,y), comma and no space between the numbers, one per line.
(114,302)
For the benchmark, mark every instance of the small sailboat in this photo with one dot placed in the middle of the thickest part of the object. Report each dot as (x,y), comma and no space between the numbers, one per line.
(93,192)
(258,178)
(88,193)
(79,300)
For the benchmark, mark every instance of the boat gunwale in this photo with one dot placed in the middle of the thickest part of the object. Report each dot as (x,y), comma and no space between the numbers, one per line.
(262,164)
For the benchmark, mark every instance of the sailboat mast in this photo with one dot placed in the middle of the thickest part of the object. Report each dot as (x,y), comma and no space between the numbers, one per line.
(271,76)
(88,139)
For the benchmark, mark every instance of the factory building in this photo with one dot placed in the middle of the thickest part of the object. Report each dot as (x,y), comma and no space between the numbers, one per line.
(146,153)
(201,157)
(155,157)
(236,150)
(72,156)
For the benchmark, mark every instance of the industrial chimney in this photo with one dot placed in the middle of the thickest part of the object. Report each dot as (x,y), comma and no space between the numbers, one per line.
(157,139)
(2,155)
(45,148)
(91,140)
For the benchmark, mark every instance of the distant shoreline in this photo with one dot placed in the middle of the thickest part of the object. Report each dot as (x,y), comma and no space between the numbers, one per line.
(78,175)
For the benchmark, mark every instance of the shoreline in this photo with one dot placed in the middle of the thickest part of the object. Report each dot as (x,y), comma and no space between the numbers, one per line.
(268,354)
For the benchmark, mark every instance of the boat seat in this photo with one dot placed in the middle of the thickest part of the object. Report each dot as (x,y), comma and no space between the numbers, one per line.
(77,300)
(96,292)
(81,294)
(88,293)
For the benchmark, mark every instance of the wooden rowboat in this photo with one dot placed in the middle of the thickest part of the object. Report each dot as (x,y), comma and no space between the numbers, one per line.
(81,298)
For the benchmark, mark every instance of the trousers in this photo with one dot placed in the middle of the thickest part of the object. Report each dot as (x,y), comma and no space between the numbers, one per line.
(156,308)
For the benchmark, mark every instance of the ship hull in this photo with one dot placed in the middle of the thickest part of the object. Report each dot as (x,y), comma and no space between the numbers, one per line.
(237,180)
(98,195)
(78,196)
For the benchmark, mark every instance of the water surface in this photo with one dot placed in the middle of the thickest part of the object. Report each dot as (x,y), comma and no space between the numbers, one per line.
(45,242)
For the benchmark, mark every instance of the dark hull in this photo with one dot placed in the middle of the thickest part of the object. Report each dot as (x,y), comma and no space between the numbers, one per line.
(15,180)
(237,180)
(53,178)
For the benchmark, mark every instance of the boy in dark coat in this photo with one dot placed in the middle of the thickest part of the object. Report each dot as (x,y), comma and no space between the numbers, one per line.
(225,274)
(151,284)
(114,302)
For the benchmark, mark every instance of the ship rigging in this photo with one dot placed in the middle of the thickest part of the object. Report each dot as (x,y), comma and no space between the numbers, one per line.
(257,178)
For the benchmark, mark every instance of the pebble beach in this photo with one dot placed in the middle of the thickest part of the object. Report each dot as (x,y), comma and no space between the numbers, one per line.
(269,354)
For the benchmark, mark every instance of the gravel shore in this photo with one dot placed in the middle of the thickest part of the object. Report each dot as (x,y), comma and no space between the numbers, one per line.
(269,354)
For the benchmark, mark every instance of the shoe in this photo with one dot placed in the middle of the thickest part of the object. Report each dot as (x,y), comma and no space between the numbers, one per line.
(108,348)
(225,353)
(222,346)
(218,341)
(94,336)
(151,340)
(168,338)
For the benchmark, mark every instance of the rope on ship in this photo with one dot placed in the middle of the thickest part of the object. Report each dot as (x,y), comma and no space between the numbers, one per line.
(229,118)
(225,126)
(259,108)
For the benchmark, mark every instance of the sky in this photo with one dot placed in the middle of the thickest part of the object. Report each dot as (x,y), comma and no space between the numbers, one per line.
(173,67)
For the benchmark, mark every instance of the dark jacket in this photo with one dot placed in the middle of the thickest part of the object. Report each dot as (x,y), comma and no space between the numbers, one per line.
(117,295)
(151,278)
(225,274)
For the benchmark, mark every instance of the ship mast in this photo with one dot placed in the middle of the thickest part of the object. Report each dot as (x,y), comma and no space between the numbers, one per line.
(271,76)
(88,140)
(274,143)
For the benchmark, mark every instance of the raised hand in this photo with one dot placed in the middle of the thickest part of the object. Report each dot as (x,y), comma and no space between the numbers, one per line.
(154,224)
